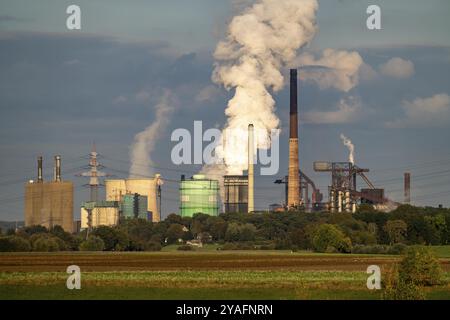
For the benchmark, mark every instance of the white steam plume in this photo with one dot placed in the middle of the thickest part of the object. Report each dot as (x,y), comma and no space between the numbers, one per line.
(145,141)
(337,69)
(351,148)
(261,41)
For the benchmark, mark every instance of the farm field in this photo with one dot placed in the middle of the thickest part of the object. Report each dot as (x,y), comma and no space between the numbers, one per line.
(197,275)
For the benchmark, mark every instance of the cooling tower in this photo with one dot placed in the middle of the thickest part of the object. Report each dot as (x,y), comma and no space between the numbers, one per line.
(293,177)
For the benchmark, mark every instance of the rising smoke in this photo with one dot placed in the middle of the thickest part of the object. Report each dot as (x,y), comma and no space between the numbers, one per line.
(351,148)
(145,141)
(261,41)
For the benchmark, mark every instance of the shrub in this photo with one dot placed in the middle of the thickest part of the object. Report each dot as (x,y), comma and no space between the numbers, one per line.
(394,289)
(329,238)
(93,243)
(14,244)
(229,246)
(114,239)
(185,248)
(153,246)
(420,267)
(45,244)
(398,248)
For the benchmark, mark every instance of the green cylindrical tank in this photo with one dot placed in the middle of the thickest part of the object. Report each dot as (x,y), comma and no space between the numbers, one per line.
(199,195)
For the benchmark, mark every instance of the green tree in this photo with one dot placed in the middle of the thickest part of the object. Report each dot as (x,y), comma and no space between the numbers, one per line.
(35,229)
(437,228)
(46,244)
(232,233)
(174,232)
(114,239)
(247,232)
(14,244)
(93,243)
(329,238)
(70,242)
(396,230)
(217,227)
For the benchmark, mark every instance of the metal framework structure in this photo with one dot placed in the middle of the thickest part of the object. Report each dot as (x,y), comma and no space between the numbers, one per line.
(342,192)
(311,203)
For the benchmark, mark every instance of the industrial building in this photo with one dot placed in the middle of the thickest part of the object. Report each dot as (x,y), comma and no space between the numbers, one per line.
(343,194)
(235,193)
(116,189)
(99,213)
(199,195)
(135,206)
(49,203)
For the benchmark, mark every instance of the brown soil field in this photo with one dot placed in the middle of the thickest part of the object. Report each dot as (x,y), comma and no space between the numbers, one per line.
(193,261)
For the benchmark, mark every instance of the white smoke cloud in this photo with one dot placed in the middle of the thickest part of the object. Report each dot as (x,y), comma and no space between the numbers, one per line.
(348,110)
(337,69)
(145,141)
(261,41)
(424,112)
(351,148)
(397,68)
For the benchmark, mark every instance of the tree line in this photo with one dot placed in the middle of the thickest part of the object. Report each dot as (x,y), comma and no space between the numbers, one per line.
(366,231)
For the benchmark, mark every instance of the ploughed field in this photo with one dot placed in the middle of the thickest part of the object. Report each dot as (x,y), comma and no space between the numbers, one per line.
(196,275)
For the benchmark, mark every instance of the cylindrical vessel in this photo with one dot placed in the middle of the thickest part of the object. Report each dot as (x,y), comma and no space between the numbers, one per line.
(39,178)
(347,201)
(332,200)
(57,168)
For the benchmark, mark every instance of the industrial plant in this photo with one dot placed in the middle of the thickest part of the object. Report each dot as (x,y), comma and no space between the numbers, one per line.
(51,203)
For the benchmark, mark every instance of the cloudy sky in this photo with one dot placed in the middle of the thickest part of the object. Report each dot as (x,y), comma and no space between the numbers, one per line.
(60,90)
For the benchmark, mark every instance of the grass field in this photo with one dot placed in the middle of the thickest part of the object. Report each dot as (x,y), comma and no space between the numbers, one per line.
(208,274)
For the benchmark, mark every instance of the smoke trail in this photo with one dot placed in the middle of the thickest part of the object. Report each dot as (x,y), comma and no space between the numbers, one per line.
(145,141)
(351,148)
(261,41)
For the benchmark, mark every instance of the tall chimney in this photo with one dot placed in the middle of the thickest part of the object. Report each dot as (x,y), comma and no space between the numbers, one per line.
(407,187)
(39,177)
(251,203)
(293,174)
(57,177)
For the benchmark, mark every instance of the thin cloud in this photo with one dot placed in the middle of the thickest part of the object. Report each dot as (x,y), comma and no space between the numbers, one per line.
(348,110)
(424,112)
(398,68)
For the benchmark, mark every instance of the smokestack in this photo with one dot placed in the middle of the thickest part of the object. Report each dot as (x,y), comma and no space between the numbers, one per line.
(39,177)
(407,187)
(293,175)
(57,175)
(251,203)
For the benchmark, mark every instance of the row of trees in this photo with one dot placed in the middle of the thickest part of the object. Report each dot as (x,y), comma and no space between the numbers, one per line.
(367,231)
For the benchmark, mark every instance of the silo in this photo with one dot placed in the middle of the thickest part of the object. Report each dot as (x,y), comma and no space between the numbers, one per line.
(199,195)
(236,193)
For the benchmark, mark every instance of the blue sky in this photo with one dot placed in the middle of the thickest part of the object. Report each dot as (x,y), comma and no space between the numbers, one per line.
(60,90)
